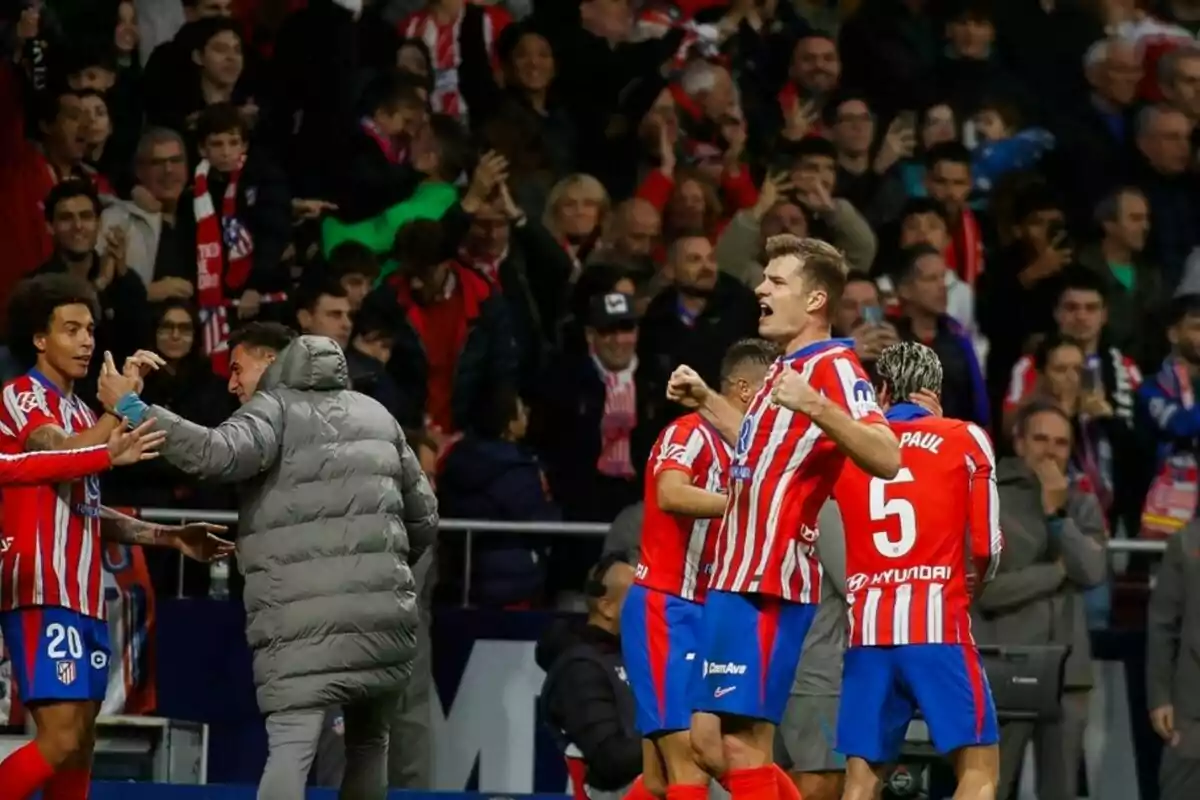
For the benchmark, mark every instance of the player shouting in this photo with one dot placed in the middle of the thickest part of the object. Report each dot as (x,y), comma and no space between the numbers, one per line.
(816,407)
(910,641)
(52,610)
(660,624)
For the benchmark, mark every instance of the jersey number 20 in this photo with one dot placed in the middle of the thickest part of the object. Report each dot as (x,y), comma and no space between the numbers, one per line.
(882,509)
(57,633)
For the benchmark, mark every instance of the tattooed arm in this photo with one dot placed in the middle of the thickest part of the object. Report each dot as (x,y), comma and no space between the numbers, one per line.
(52,437)
(118,527)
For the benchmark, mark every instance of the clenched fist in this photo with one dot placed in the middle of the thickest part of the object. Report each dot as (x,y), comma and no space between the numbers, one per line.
(687,388)
(793,391)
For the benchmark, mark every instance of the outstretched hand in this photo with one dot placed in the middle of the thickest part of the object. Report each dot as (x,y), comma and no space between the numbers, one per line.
(131,446)
(199,541)
(114,385)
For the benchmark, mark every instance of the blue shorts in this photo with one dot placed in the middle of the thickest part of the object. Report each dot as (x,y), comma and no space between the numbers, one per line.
(658,640)
(751,645)
(57,654)
(883,687)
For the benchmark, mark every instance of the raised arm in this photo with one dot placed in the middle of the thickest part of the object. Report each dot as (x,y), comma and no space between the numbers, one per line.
(843,406)
(986,539)
(687,388)
(241,447)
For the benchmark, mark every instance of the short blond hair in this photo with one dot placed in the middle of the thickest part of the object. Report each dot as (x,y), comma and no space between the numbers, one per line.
(592,188)
(822,266)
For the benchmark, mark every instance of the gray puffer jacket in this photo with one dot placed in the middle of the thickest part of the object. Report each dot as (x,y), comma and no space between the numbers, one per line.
(334,509)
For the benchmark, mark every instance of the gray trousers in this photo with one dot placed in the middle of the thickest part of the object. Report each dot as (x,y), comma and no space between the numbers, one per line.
(1057,751)
(410,757)
(292,738)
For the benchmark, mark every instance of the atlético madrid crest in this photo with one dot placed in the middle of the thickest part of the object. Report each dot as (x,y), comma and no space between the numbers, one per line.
(66,672)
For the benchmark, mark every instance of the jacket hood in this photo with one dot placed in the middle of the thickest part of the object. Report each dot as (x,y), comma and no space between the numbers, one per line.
(312,363)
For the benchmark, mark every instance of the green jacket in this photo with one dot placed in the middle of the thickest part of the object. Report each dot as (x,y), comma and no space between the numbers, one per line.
(429,201)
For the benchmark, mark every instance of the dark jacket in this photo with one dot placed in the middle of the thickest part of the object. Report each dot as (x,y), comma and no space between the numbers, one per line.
(369,376)
(586,701)
(1136,319)
(498,480)
(487,355)
(264,206)
(964,395)
(666,340)
(566,419)
(365,183)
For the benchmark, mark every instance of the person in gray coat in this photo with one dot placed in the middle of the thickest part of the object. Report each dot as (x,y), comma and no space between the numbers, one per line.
(1173,664)
(334,509)
(1054,548)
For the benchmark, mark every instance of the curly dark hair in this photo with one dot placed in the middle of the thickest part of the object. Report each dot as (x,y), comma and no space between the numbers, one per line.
(32,307)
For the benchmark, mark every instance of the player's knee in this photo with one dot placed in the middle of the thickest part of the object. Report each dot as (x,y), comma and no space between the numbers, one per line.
(707,751)
(65,743)
(747,749)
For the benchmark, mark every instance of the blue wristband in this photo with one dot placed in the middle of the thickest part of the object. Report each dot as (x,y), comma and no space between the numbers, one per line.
(132,408)
(1055,526)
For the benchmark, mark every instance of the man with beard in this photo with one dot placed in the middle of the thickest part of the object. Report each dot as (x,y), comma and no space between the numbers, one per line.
(695,319)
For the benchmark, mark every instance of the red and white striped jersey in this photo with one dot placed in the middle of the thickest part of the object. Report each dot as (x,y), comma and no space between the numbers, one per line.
(446,46)
(677,551)
(54,556)
(783,471)
(907,538)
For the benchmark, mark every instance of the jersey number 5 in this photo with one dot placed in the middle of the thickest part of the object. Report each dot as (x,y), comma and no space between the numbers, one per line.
(882,509)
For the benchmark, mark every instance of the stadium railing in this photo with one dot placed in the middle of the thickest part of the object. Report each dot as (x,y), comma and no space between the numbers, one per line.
(470,528)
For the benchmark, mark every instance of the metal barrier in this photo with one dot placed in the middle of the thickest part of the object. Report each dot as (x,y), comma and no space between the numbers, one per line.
(471,527)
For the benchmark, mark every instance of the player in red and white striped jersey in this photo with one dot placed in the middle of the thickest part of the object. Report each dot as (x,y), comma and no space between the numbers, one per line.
(661,618)
(52,613)
(815,408)
(910,642)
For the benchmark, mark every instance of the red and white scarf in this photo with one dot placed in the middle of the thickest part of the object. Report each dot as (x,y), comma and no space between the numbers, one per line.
(620,418)
(391,149)
(224,257)
(964,254)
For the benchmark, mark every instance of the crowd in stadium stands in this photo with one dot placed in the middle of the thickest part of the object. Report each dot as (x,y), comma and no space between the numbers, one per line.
(518,218)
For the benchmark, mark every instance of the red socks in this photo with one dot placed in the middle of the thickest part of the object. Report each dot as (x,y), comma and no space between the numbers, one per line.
(71,784)
(759,783)
(787,787)
(23,773)
(638,791)
(684,791)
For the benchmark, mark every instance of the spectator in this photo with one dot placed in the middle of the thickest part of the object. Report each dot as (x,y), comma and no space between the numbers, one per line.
(585,699)
(923,221)
(453,344)
(1163,139)
(586,427)
(73,217)
(367,358)
(172,59)
(56,154)
(948,181)
(694,320)
(1024,276)
(215,73)
(576,211)
(375,172)
(1179,79)
(461,66)
(921,287)
(153,250)
(1171,631)
(1136,298)
(1107,451)
(1035,598)
(1166,406)
(490,474)
(631,239)
(239,221)
(323,309)
(937,124)
(813,76)
(355,267)
(969,69)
